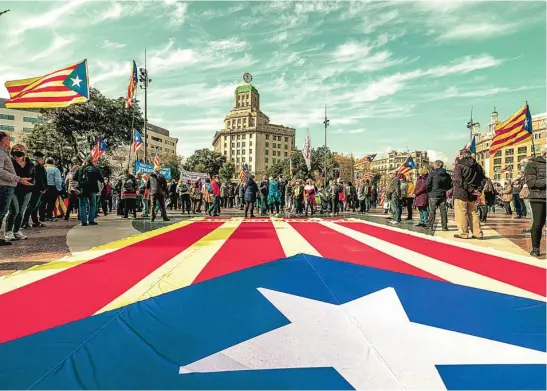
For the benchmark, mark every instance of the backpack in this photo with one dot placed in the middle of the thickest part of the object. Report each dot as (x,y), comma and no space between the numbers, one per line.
(83,180)
(352,191)
(129,185)
(477,182)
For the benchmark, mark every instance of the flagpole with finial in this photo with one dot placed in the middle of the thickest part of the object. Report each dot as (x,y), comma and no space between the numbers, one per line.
(532,133)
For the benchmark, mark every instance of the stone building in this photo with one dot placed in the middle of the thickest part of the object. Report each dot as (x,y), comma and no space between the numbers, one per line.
(249,137)
(390,162)
(17,122)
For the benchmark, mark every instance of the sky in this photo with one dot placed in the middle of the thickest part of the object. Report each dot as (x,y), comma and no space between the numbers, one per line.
(394,75)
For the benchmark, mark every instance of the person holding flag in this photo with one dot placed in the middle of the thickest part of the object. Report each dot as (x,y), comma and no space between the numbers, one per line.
(88,177)
(98,151)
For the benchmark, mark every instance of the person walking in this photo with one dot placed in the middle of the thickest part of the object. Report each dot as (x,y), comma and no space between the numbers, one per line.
(408,198)
(394,195)
(38,190)
(264,186)
(22,193)
(73,192)
(490,195)
(534,177)
(157,186)
(289,196)
(468,182)
(214,209)
(88,177)
(173,195)
(507,197)
(438,183)
(250,191)
(54,187)
(421,199)
(129,194)
(274,196)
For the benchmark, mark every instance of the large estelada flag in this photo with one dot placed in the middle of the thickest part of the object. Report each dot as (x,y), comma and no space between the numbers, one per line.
(513,130)
(60,88)
(380,310)
(407,166)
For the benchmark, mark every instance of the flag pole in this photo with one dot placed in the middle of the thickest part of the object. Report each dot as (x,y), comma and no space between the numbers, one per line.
(532,134)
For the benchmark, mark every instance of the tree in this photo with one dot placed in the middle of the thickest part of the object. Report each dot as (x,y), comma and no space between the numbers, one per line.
(172,161)
(69,133)
(227,171)
(318,157)
(204,160)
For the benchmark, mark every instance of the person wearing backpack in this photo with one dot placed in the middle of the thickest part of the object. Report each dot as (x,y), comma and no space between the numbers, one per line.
(469,181)
(88,177)
(129,194)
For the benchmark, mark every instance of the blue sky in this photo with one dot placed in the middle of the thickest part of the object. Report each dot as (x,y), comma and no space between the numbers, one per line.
(393,74)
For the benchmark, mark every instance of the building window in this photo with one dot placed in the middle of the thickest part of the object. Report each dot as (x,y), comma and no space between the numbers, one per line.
(225,153)
(243,144)
(28,130)
(31,120)
(286,139)
(267,137)
(156,139)
(267,145)
(238,152)
(509,152)
(537,135)
(286,146)
(233,152)
(250,159)
(509,159)
(274,160)
(8,128)
(233,145)
(522,150)
(286,154)
(250,143)
(250,151)
(237,160)
(238,145)
(7,117)
(522,157)
(266,152)
(497,154)
(266,159)
(250,167)
(497,161)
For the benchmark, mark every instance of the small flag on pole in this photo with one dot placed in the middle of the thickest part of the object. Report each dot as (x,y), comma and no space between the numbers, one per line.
(132,87)
(137,140)
(157,160)
(98,150)
(306,151)
(60,88)
(471,146)
(513,130)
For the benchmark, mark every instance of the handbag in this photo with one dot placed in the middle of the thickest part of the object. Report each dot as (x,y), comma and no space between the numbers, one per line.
(524,192)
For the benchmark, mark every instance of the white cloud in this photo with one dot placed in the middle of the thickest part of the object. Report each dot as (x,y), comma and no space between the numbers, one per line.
(465,65)
(455,136)
(106,44)
(230,45)
(372,23)
(347,132)
(192,95)
(176,11)
(437,155)
(102,71)
(483,30)
(59,42)
(114,12)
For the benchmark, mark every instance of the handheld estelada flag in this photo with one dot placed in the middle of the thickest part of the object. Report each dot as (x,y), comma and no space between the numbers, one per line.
(132,87)
(98,150)
(157,160)
(243,176)
(137,140)
(407,166)
(60,88)
(513,130)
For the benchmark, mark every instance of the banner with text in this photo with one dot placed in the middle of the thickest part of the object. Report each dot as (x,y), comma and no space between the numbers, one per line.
(148,168)
(193,176)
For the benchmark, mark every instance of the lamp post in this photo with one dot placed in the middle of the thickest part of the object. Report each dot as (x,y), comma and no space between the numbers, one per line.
(471,125)
(326,122)
(144,80)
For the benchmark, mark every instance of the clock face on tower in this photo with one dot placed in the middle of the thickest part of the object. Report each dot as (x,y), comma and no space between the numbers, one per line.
(247,77)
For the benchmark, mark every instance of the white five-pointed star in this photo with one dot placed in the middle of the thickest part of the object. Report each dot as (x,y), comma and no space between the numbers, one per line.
(370,342)
(76,81)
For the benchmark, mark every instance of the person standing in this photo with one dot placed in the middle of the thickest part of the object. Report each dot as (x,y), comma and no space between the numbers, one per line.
(73,192)
(264,186)
(22,193)
(38,191)
(144,195)
(173,195)
(438,183)
(214,209)
(183,190)
(507,197)
(106,197)
(54,187)
(157,185)
(309,197)
(421,199)
(409,198)
(394,195)
(88,177)
(250,191)
(129,194)
(534,177)
(490,195)
(289,196)
(468,181)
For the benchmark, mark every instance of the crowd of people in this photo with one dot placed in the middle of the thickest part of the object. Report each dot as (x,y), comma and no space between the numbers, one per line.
(30,190)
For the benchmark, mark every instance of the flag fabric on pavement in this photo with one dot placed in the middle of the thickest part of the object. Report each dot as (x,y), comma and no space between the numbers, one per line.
(157,161)
(309,322)
(137,140)
(60,88)
(513,130)
(132,87)
(306,151)
(407,166)
(98,150)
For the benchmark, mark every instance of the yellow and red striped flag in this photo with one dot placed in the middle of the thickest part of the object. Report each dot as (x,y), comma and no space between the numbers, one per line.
(132,87)
(157,160)
(60,88)
(513,130)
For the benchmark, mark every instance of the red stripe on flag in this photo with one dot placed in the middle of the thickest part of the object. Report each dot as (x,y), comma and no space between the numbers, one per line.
(334,245)
(249,245)
(83,290)
(528,277)
(52,89)
(45,99)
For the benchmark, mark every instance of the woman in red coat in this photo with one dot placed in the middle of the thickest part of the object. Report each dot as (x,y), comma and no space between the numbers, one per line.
(421,200)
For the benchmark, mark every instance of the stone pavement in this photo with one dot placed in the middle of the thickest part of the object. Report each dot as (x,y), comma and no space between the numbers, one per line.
(65,238)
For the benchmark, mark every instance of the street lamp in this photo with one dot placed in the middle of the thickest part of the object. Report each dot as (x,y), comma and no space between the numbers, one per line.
(326,122)
(471,125)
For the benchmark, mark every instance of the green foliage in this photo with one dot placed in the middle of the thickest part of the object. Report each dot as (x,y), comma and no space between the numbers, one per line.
(319,157)
(204,160)
(69,133)
(227,171)
(170,160)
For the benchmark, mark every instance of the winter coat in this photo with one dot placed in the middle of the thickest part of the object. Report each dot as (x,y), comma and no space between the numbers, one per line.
(468,177)
(94,176)
(27,171)
(7,171)
(250,189)
(438,183)
(215,187)
(273,193)
(394,188)
(507,193)
(129,187)
(534,177)
(40,181)
(264,186)
(182,189)
(420,191)
(156,184)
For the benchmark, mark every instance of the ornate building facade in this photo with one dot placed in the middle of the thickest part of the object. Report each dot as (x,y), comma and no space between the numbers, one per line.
(249,138)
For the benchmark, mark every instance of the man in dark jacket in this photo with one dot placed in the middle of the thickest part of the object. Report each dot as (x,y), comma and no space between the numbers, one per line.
(438,183)
(264,188)
(40,187)
(88,177)
(469,180)
(250,189)
(534,177)
(157,186)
